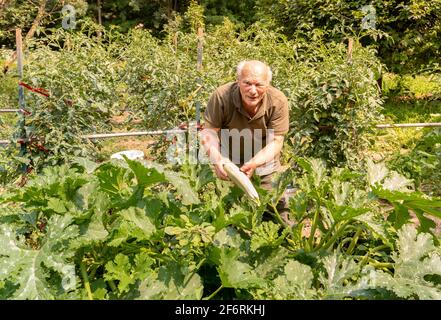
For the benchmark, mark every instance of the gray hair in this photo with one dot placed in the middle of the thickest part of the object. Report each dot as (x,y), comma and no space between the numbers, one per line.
(242,64)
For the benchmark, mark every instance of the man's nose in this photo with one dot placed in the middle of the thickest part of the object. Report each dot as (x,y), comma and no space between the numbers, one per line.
(253,89)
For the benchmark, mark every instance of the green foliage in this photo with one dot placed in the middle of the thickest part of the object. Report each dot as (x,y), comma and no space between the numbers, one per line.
(295,283)
(396,189)
(138,230)
(334,204)
(128,14)
(80,76)
(416,262)
(329,100)
(267,234)
(336,105)
(242,12)
(119,230)
(194,17)
(23,14)
(8,89)
(417,87)
(423,162)
(80,82)
(26,272)
(406,33)
(90,79)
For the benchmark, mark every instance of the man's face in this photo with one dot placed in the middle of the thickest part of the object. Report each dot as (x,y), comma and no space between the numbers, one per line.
(253,84)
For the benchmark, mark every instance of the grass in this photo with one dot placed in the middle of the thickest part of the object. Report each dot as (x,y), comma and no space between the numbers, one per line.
(8,123)
(419,86)
(412,111)
(388,141)
(414,152)
(113,145)
(407,100)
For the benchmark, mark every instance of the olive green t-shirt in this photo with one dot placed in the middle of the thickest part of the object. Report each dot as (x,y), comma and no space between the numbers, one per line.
(225,111)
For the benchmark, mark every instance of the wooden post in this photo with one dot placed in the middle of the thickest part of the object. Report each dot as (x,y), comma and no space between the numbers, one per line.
(29,35)
(100,22)
(18,40)
(349,60)
(350,46)
(175,42)
(408,125)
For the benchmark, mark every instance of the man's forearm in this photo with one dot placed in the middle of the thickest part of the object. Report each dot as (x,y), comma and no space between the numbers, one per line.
(269,152)
(211,144)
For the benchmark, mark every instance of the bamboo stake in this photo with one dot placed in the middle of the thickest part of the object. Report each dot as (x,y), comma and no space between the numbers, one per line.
(408,125)
(121,134)
(158,132)
(130,134)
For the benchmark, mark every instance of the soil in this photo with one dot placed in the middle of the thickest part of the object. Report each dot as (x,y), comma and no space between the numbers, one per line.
(142,143)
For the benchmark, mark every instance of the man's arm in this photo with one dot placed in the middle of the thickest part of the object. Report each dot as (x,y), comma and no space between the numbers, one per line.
(265,155)
(210,142)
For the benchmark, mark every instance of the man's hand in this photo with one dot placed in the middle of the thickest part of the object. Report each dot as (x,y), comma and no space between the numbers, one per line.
(248,168)
(220,172)
(264,156)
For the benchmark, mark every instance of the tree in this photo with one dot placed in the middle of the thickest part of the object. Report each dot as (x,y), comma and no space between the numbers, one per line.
(405,32)
(31,16)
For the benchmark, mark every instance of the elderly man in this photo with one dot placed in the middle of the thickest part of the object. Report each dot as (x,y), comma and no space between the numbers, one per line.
(244,111)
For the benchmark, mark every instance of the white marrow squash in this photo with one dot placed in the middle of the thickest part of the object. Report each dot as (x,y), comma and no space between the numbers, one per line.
(241,180)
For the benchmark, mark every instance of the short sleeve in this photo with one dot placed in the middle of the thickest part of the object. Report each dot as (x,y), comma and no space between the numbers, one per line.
(279,120)
(213,114)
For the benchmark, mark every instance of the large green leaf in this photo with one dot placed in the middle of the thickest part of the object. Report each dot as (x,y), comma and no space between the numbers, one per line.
(295,283)
(396,181)
(29,268)
(416,260)
(131,223)
(146,175)
(267,234)
(412,200)
(116,182)
(149,173)
(189,196)
(236,274)
(93,230)
(126,272)
(377,225)
(270,261)
(89,166)
(338,272)
(315,168)
(376,172)
(171,284)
